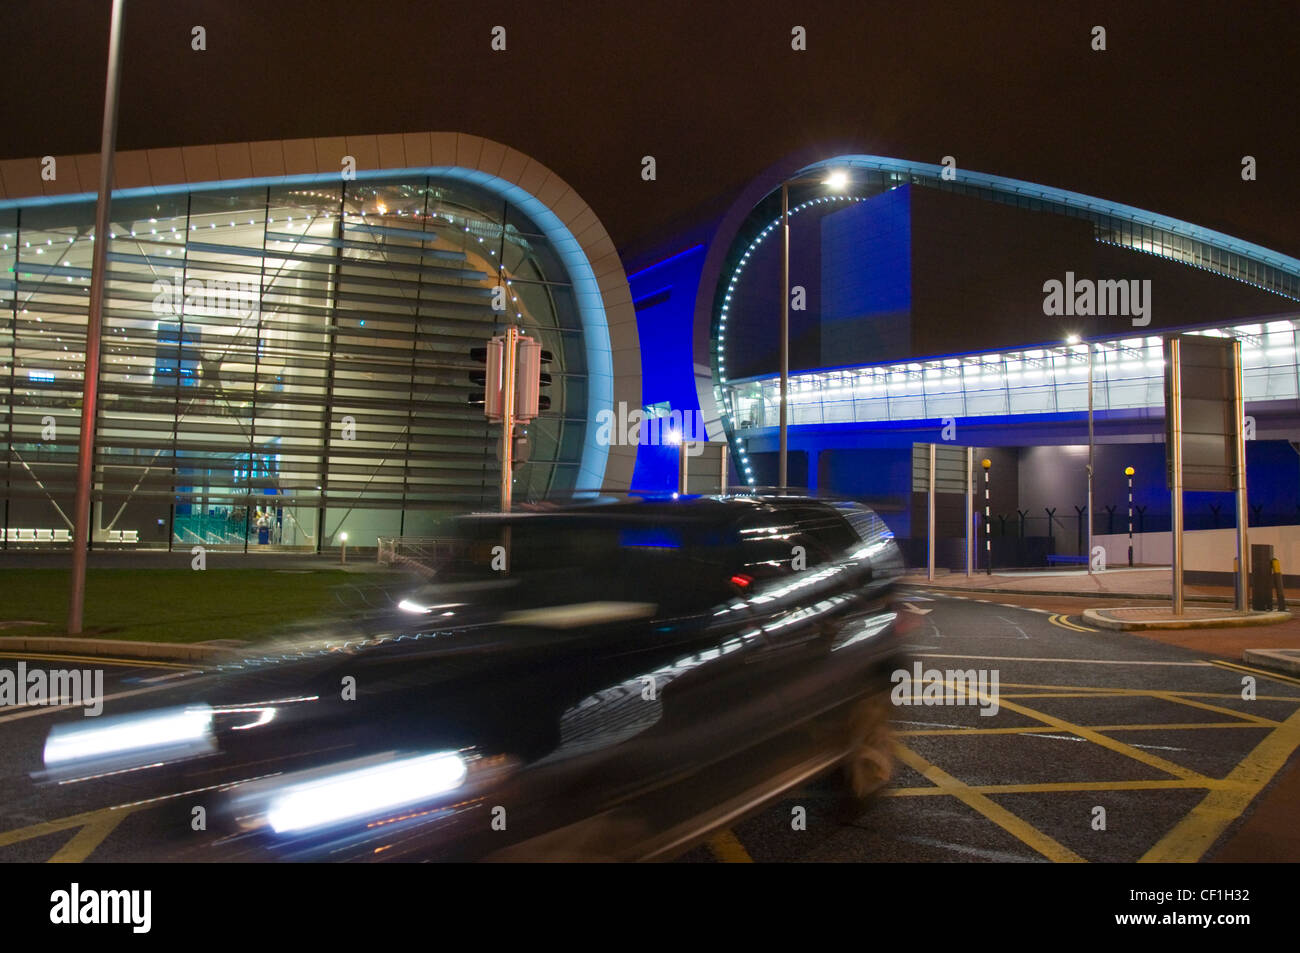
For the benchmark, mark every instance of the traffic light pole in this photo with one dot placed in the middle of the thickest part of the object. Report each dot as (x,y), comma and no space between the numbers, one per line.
(508,385)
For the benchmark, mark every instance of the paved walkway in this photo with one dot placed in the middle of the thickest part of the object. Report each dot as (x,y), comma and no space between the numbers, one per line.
(1111,584)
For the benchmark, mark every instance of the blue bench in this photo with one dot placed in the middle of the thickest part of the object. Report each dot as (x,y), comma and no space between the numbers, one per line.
(1077,560)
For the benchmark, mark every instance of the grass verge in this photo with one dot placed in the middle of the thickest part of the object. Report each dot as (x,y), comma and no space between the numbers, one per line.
(180,605)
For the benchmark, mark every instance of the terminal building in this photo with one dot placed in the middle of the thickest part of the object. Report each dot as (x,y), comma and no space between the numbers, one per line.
(932,304)
(286,345)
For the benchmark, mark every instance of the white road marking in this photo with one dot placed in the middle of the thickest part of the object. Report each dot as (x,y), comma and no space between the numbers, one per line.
(1035,734)
(165,678)
(1023,635)
(997,855)
(51,709)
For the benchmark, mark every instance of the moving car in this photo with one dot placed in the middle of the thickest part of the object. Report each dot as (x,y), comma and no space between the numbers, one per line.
(612,680)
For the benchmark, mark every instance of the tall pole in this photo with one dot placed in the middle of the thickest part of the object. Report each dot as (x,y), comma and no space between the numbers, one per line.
(1175,411)
(785,334)
(986,463)
(1243,550)
(1128,471)
(929,520)
(94,319)
(970,510)
(1090,456)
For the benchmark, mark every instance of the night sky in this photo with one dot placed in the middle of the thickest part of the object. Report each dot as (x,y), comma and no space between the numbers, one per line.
(1160,120)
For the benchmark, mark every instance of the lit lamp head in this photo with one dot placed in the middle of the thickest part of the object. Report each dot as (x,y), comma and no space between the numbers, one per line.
(343,537)
(1128,471)
(986,463)
(837,180)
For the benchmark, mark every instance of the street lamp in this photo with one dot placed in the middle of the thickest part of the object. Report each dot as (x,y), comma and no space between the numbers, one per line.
(343,556)
(837,181)
(94,321)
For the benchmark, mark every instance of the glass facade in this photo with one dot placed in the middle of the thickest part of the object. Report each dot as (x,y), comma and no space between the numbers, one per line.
(280,363)
(1127,374)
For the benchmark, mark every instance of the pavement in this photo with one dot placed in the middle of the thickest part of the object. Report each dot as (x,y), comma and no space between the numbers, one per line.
(1138,583)
(1206,606)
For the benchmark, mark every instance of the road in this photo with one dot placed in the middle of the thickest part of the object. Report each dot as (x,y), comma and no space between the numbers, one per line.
(1105,746)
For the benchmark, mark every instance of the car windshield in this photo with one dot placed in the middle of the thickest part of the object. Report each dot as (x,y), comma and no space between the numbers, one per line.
(680,565)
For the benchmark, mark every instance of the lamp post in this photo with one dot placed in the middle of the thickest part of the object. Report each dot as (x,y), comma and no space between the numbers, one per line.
(94,321)
(1128,472)
(837,180)
(1074,339)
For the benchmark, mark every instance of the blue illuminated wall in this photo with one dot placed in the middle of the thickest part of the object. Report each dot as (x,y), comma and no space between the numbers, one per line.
(866,281)
(664,297)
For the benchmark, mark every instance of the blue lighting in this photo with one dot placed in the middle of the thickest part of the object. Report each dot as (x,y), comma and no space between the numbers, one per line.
(653,537)
(664,261)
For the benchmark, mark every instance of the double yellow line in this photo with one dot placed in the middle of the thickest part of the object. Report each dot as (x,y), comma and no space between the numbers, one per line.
(97,659)
(1064,623)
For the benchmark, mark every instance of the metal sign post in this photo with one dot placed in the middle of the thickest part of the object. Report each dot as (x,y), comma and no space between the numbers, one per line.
(1175,414)
(784,423)
(1239,480)
(970,510)
(929,528)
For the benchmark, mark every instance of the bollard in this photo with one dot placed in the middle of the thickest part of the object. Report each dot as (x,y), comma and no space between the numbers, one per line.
(1278,595)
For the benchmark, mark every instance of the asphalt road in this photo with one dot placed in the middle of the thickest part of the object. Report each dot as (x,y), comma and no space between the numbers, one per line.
(1104,747)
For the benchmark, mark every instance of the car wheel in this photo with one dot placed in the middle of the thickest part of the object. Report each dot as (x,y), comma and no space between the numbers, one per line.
(869,764)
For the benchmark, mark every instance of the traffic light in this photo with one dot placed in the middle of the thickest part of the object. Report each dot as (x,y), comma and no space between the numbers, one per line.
(544,380)
(530,379)
(488,378)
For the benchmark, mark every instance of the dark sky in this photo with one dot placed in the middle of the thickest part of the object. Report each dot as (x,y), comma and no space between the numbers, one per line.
(1160,120)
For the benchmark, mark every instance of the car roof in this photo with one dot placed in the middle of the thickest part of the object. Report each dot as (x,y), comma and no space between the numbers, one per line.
(685,510)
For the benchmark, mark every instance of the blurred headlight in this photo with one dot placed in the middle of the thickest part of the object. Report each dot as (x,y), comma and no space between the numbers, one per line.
(355,794)
(127,741)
